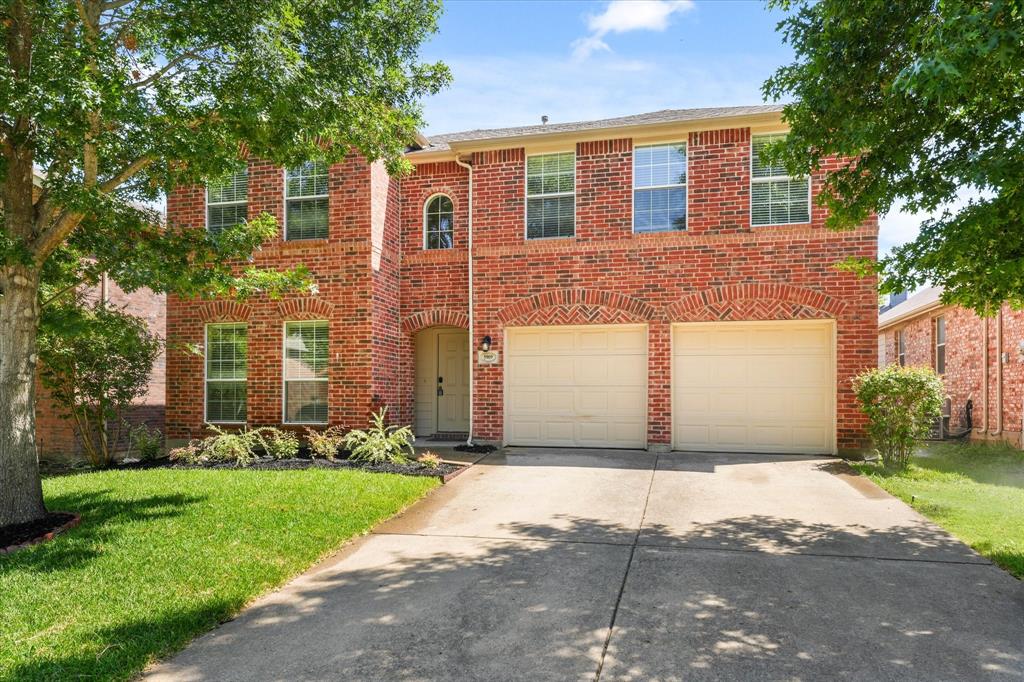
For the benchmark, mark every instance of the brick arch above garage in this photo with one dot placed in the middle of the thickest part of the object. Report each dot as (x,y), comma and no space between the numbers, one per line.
(751,301)
(577,306)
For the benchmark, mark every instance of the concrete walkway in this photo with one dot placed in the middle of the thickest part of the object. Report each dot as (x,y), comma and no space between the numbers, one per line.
(615,565)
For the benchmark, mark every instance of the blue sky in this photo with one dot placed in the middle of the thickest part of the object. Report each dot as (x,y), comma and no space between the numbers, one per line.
(515,61)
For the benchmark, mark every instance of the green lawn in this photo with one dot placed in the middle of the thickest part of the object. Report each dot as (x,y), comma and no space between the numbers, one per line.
(974,491)
(163,555)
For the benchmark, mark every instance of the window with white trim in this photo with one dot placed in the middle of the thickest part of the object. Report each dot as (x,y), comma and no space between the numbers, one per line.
(901,348)
(551,195)
(305,372)
(227,352)
(305,191)
(776,198)
(227,201)
(940,345)
(438,223)
(659,187)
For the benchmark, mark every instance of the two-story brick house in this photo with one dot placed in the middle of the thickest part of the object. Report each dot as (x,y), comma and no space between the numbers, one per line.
(636,282)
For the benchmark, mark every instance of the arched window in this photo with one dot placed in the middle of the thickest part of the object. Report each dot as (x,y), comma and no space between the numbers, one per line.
(438,223)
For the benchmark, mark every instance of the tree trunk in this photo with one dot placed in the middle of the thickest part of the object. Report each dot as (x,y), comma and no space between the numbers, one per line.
(21,493)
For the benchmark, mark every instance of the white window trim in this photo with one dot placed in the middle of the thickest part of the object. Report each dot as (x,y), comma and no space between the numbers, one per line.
(901,349)
(938,345)
(225,203)
(284,191)
(632,193)
(771,178)
(285,379)
(527,197)
(424,217)
(206,371)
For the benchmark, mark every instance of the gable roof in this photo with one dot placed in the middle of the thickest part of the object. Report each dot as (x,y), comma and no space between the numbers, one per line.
(921,302)
(438,143)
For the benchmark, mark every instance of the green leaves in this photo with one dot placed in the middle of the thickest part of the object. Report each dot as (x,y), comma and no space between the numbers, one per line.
(926,100)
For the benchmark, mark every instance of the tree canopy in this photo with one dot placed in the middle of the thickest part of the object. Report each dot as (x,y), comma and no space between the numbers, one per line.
(926,97)
(105,105)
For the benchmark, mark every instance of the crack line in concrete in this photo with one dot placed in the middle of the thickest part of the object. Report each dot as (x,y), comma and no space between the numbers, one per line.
(625,576)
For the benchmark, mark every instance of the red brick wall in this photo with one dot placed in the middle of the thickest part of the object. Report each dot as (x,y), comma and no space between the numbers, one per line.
(720,269)
(966,338)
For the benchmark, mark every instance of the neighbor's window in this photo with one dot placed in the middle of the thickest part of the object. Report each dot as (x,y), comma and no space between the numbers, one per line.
(438,218)
(305,372)
(775,197)
(940,345)
(659,187)
(227,351)
(227,201)
(305,191)
(551,195)
(901,348)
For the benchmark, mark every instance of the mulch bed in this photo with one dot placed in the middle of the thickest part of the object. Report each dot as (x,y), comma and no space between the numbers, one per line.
(25,534)
(443,470)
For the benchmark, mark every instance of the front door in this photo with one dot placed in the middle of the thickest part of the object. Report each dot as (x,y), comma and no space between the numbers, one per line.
(453,381)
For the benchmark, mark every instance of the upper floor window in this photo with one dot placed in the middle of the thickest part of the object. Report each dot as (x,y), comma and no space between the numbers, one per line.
(776,198)
(305,372)
(659,187)
(438,219)
(940,345)
(551,195)
(305,210)
(227,353)
(901,348)
(227,201)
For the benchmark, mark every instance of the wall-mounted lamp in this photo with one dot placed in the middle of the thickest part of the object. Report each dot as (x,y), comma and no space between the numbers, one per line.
(485,344)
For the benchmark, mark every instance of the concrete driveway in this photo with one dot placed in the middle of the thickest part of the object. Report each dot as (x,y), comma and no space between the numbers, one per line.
(615,565)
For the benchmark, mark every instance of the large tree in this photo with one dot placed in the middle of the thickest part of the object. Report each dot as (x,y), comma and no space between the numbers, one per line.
(107,104)
(927,96)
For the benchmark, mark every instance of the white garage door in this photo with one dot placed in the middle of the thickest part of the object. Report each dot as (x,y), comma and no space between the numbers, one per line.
(754,387)
(576,386)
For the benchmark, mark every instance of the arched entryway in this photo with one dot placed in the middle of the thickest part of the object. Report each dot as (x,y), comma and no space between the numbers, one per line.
(442,381)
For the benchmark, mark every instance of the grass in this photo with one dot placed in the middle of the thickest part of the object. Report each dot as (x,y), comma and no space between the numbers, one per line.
(162,556)
(974,491)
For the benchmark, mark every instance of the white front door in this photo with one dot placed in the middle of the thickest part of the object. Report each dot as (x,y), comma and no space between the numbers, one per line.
(754,386)
(577,386)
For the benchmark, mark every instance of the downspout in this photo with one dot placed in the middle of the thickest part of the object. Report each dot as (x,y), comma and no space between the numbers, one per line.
(999,372)
(984,331)
(472,343)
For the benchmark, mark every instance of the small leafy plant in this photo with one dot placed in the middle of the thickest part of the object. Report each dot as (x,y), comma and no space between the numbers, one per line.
(145,442)
(430,460)
(901,403)
(381,443)
(280,444)
(325,443)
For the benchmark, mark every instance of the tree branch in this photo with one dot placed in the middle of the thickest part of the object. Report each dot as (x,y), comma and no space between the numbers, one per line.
(185,56)
(126,174)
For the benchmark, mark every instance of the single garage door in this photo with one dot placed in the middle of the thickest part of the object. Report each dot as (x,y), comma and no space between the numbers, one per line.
(754,387)
(576,386)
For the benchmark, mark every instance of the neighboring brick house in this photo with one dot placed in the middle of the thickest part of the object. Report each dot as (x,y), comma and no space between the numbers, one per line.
(981,360)
(55,435)
(636,282)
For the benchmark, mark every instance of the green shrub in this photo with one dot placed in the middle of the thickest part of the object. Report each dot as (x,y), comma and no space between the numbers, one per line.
(325,443)
(279,444)
(144,442)
(381,443)
(901,404)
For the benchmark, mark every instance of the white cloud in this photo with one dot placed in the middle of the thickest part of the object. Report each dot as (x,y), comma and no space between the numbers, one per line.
(622,16)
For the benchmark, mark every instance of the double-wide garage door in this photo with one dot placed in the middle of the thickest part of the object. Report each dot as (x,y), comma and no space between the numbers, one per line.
(753,387)
(736,386)
(577,386)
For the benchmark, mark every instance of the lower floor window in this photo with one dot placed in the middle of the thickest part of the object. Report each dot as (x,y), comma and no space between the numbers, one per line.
(305,372)
(227,351)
